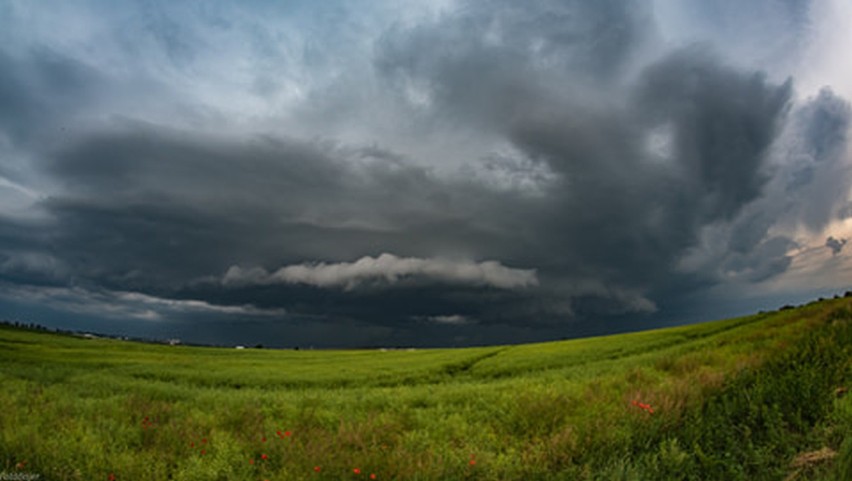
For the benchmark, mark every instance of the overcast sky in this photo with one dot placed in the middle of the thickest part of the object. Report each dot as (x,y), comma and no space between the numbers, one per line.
(352,173)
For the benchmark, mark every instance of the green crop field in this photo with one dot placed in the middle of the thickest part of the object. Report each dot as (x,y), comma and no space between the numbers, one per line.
(759,397)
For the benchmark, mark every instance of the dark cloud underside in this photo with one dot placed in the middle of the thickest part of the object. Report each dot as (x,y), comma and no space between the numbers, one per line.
(491,168)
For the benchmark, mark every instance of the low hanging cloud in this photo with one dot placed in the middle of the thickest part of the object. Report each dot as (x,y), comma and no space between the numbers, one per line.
(389,269)
(836,245)
(452,320)
(132,305)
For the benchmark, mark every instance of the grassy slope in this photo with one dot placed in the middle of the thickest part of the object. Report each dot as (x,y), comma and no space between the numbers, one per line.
(734,399)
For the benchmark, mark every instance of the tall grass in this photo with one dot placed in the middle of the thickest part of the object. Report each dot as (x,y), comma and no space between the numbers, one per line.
(735,399)
(752,427)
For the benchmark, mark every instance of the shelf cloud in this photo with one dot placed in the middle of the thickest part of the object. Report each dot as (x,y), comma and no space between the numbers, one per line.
(387,269)
(364,173)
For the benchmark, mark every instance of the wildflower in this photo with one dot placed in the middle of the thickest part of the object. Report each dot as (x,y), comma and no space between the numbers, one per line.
(356,471)
(263,439)
(264,457)
(203,440)
(317,469)
(287,434)
(372,475)
(278,433)
(472,462)
(192,444)
(147,423)
(21,465)
(203,452)
(251,461)
(111,477)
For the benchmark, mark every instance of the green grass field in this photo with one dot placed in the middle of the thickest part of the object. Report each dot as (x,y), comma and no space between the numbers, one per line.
(748,398)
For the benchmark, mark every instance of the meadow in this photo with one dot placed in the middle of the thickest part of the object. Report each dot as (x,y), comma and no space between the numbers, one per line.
(757,397)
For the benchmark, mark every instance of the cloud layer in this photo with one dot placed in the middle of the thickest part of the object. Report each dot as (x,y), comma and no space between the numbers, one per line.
(530,172)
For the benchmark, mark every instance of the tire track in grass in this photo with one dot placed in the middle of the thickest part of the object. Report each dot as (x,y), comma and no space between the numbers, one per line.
(462,367)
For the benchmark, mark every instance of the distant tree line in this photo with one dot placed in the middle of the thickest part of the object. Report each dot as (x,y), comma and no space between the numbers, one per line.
(28,325)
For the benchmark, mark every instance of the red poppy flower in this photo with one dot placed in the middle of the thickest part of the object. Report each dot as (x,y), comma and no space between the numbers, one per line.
(203,452)
(192,444)
(472,462)
(263,439)
(204,440)
(251,461)
(372,475)
(278,433)
(111,477)
(287,433)
(356,471)
(317,469)
(264,457)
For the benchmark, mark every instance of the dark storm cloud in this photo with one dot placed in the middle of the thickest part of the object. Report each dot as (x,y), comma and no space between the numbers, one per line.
(807,187)
(614,213)
(724,122)
(400,304)
(602,174)
(820,170)
(836,245)
(180,206)
(491,59)
(152,210)
(177,209)
(629,214)
(36,86)
(768,259)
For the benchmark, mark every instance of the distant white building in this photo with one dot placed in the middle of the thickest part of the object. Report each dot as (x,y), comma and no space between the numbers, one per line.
(240,347)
